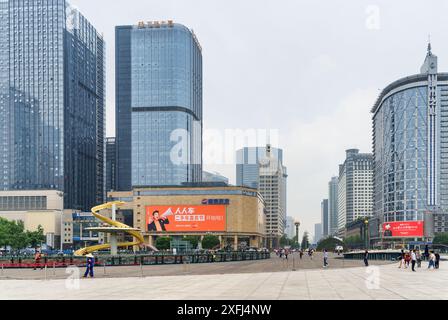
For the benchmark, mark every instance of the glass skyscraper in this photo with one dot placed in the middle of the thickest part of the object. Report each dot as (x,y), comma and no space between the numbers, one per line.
(411,146)
(158,105)
(51,101)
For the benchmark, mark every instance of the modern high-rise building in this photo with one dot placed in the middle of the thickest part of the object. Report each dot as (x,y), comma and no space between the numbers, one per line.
(111,164)
(410,120)
(262,168)
(290,229)
(248,165)
(355,188)
(325,214)
(214,177)
(52,110)
(333,205)
(158,105)
(318,233)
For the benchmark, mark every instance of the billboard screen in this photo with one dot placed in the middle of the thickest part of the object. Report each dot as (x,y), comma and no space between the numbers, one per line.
(180,218)
(404,229)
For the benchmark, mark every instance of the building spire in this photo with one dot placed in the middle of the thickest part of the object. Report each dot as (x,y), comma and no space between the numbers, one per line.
(429,46)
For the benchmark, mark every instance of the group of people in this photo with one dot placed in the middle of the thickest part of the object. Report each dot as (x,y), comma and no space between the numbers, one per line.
(414,258)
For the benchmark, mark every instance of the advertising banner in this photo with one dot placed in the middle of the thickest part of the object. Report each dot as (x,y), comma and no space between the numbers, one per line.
(404,229)
(179,218)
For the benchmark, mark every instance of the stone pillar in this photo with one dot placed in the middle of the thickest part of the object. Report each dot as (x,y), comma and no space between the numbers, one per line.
(235,243)
(220,242)
(113,244)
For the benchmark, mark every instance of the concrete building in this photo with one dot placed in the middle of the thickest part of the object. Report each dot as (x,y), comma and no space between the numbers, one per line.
(236,215)
(333,205)
(325,218)
(410,140)
(52,109)
(214,177)
(355,188)
(318,233)
(262,168)
(158,105)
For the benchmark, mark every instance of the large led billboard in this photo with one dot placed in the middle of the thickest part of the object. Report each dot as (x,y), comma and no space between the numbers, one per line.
(403,229)
(181,218)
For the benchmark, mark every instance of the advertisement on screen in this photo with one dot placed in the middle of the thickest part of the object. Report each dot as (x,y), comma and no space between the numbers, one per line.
(404,229)
(186,218)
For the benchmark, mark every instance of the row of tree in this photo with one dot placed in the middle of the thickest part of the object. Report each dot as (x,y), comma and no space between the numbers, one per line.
(13,234)
(294,243)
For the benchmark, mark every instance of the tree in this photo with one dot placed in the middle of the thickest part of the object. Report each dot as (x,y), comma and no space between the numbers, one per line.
(329,244)
(35,238)
(210,242)
(163,243)
(194,240)
(441,238)
(306,240)
(285,241)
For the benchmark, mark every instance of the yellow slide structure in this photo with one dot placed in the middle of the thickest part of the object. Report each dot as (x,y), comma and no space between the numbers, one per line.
(139,240)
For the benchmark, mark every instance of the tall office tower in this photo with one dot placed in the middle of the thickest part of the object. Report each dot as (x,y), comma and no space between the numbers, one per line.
(214,177)
(290,229)
(111,164)
(51,101)
(317,233)
(248,165)
(355,188)
(262,168)
(158,105)
(325,214)
(411,151)
(333,205)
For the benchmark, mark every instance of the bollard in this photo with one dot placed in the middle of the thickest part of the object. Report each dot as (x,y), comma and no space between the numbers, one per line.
(104,268)
(141,269)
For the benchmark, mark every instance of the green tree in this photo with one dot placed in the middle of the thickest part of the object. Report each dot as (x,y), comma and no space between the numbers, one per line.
(305,240)
(163,243)
(441,238)
(285,241)
(210,242)
(16,235)
(194,240)
(35,238)
(329,243)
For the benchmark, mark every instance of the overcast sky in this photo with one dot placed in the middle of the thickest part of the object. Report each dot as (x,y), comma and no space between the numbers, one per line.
(309,69)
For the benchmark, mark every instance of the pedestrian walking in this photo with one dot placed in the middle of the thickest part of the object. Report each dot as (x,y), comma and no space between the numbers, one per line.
(426,256)
(432,261)
(437,263)
(402,262)
(407,259)
(414,259)
(286,254)
(37,258)
(325,258)
(89,265)
(418,255)
(301,254)
(366,258)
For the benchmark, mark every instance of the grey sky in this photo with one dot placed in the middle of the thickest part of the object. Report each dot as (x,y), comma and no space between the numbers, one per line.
(311,69)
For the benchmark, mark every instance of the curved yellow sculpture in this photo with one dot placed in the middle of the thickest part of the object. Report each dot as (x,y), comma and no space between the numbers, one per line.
(139,240)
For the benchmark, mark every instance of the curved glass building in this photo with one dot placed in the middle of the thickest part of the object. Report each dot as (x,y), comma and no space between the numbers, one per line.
(158,105)
(410,138)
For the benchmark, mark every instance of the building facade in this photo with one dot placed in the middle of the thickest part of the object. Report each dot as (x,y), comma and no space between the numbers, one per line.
(158,105)
(355,188)
(325,218)
(214,177)
(235,214)
(111,165)
(410,121)
(290,229)
(317,233)
(333,205)
(51,101)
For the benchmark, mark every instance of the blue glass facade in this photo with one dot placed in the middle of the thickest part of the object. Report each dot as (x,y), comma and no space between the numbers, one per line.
(411,147)
(51,101)
(159,106)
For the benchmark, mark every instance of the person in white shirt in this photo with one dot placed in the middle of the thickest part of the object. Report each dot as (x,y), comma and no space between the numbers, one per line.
(325,258)
(414,259)
(432,260)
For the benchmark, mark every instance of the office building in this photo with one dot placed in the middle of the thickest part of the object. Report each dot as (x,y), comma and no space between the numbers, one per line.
(290,229)
(333,205)
(410,121)
(111,164)
(51,101)
(214,177)
(318,233)
(325,215)
(355,188)
(158,105)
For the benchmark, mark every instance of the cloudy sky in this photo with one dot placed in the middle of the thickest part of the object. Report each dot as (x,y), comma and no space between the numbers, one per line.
(309,69)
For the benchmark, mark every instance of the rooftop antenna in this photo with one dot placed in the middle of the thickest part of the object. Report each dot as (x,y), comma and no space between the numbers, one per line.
(429,45)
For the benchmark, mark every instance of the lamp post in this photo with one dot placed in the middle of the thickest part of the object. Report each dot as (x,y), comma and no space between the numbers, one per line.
(297,224)
(366,222)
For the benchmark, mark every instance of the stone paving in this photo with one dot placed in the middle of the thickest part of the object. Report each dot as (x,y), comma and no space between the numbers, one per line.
(385,282)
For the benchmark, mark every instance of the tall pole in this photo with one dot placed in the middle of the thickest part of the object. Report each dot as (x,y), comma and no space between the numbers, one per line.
(297,224)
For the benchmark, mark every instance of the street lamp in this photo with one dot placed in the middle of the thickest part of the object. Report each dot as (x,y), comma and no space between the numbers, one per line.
(366,222)
(297,224)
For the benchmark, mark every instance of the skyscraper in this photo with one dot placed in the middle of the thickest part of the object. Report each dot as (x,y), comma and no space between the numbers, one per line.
(325,213)
(411,150)
(355,188)
(262,168)
(333,205)
(51,101)
(317,233)
(158,105)
(111,164)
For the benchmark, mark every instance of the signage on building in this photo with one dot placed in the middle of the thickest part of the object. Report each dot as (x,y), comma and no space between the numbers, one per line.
(403,229)
(211,202)
(186,218)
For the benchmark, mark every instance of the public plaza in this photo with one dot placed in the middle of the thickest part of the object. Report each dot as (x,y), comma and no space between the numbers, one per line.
(273,279)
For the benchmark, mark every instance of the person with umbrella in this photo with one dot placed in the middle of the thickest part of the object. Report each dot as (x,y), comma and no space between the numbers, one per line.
(89,265)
